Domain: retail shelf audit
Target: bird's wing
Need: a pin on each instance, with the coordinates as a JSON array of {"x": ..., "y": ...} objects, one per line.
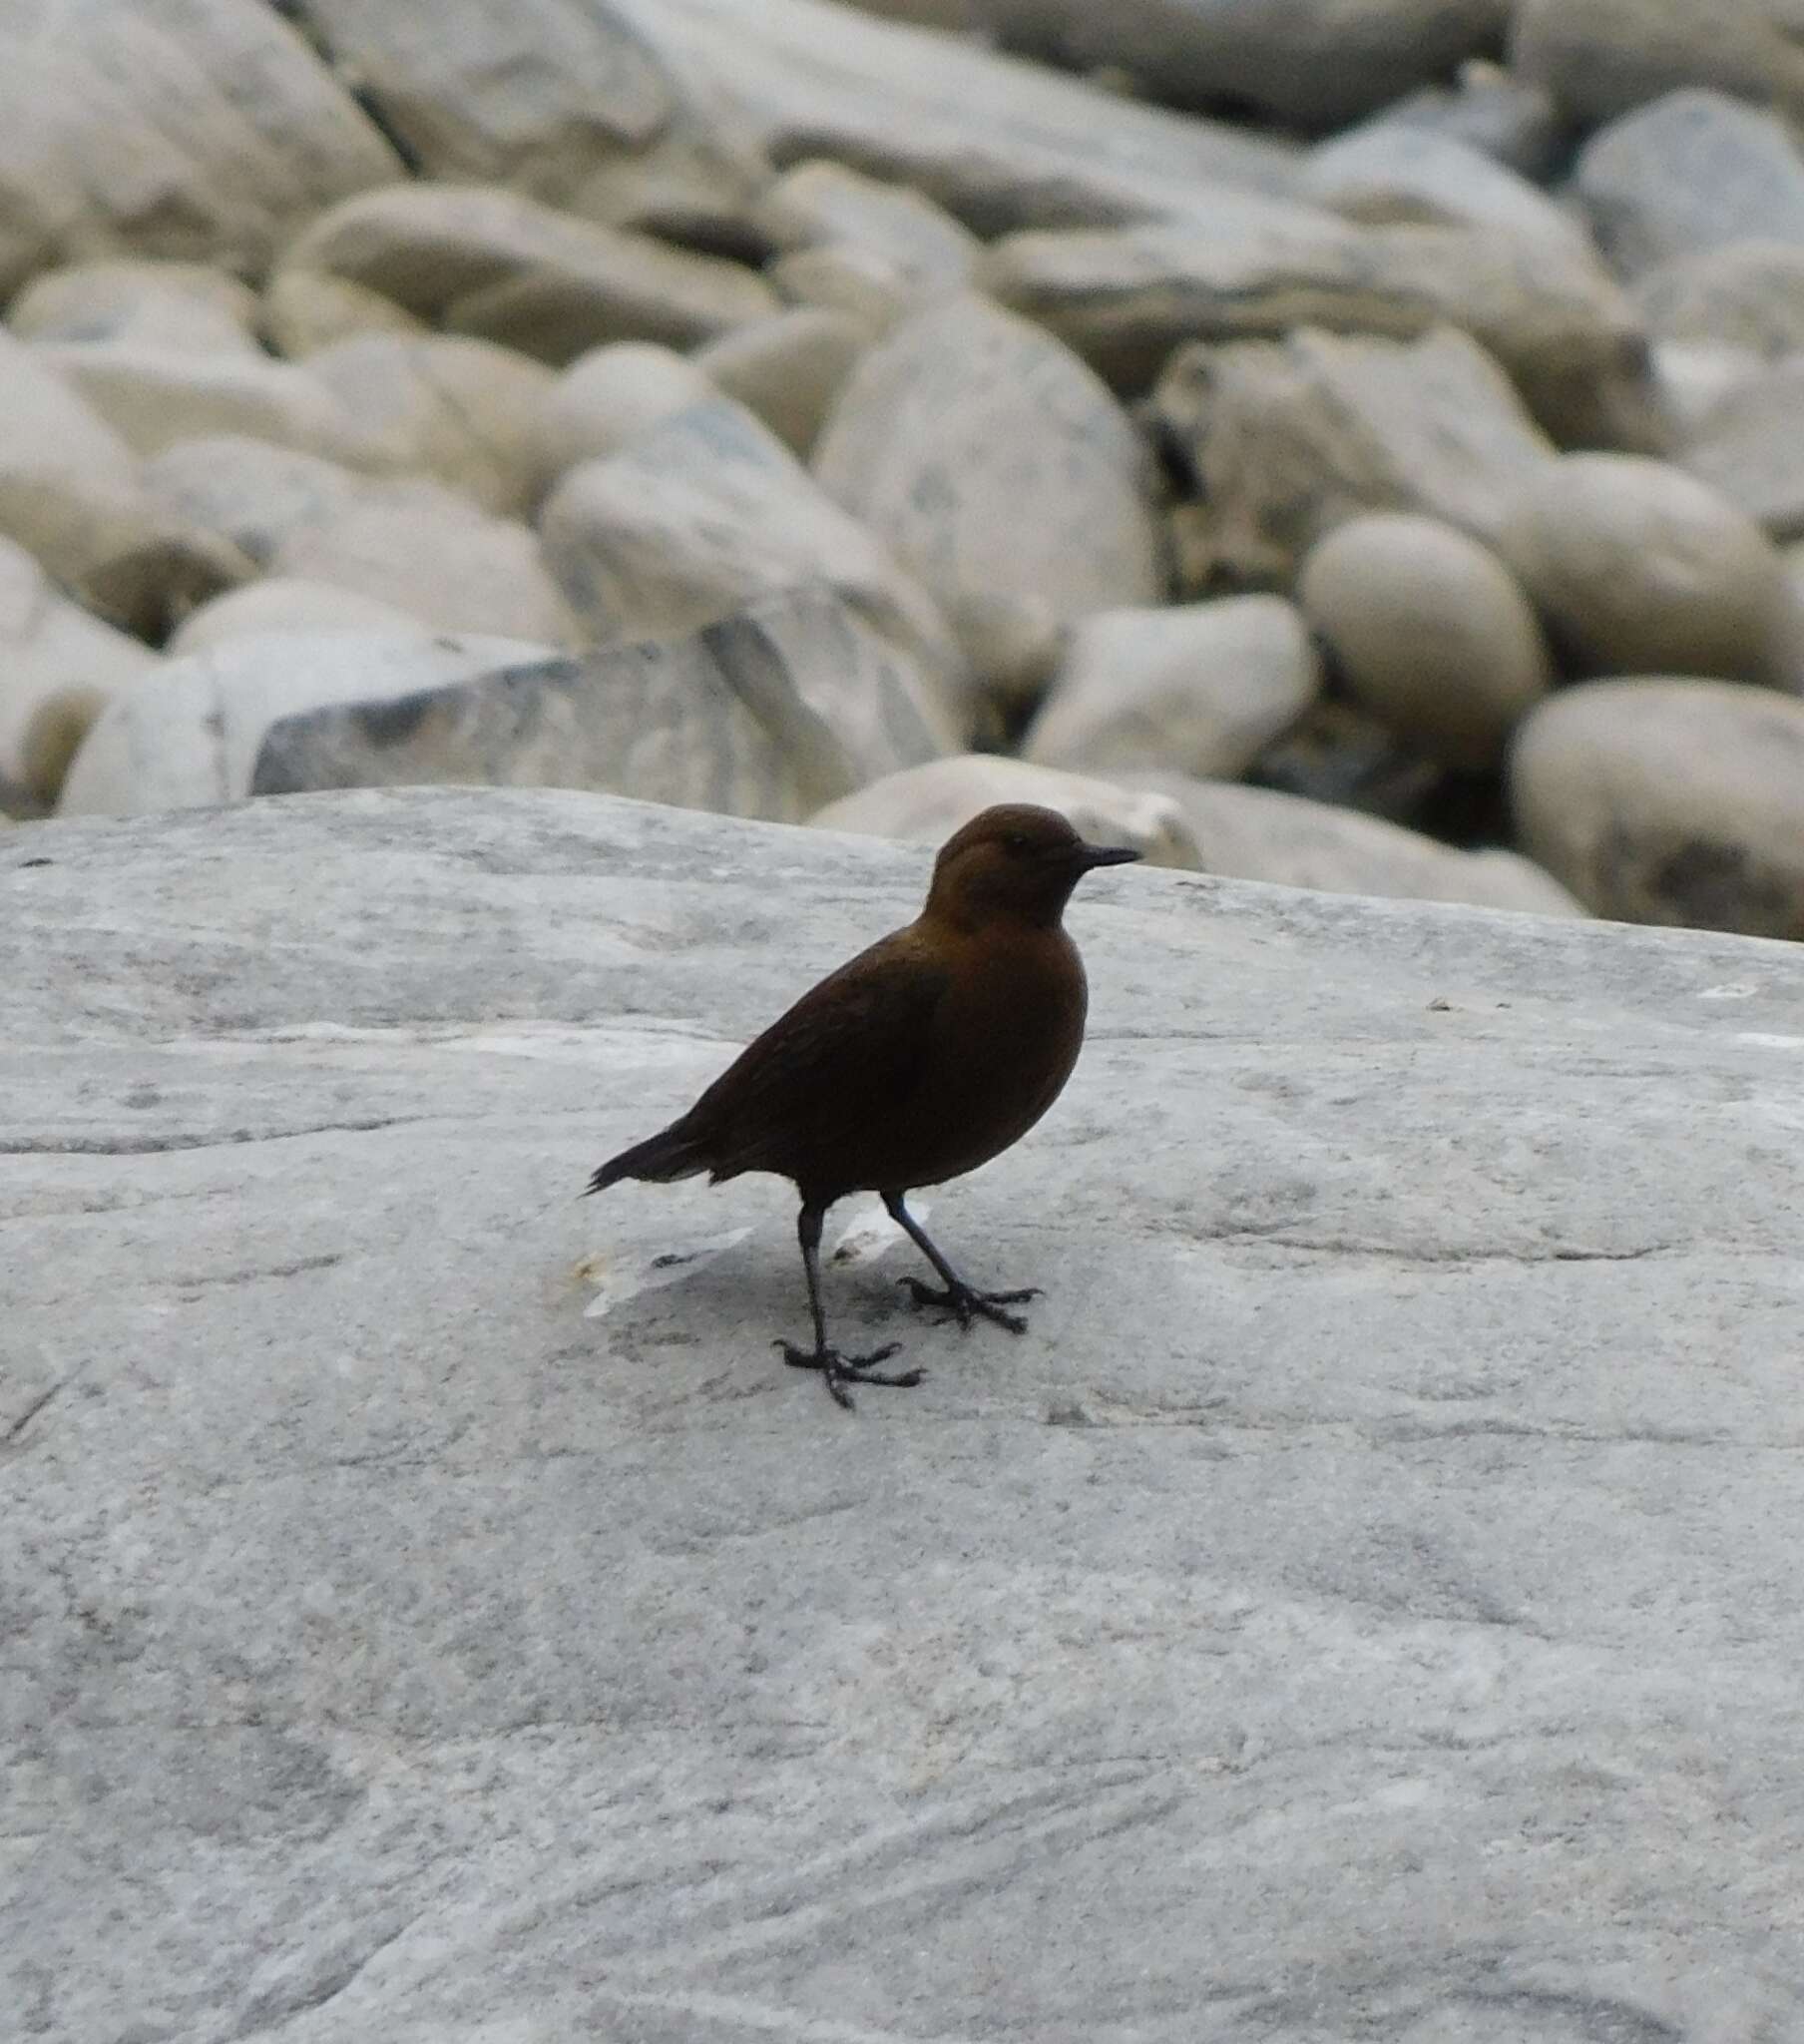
[{"x": 850, "y": 1051}]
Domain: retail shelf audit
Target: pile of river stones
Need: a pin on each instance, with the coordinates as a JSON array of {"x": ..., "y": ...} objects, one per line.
[{"x": 1351, "y": 443}]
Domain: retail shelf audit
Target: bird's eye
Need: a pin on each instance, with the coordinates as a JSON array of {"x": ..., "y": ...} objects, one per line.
[{"x": 1018, "y": 840}]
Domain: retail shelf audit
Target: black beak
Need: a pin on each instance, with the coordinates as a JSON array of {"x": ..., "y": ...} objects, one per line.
[{"x": 1093, "y": 855}]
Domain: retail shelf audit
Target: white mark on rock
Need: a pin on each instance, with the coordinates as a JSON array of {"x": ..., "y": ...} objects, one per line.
[
  {"x": 618, "y": 1276},
  {"x": 1730, "y": 990},
  {"x": 871, "y": 1233}
]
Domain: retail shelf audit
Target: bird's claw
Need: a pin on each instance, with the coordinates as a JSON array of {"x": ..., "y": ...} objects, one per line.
[
  {"x": 963, "y": 1303},
  {"x": 840, "y": 1370}
]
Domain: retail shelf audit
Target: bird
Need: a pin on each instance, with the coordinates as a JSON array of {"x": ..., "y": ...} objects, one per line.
[{"x": 915, "y": 1062}]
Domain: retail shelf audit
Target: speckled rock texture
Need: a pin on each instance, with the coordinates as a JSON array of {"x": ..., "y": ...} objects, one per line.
[{"x": 1364, "y": 1604}]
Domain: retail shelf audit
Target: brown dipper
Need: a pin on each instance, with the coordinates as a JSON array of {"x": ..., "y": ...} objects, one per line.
[{"x": 918, "y": 1060}]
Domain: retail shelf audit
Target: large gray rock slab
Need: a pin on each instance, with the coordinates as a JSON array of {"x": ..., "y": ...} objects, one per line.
[
  {"x": 1363, "y": 1604},
  {"x": 194, "y": 736},
  {"x": 772, "y": 712}
]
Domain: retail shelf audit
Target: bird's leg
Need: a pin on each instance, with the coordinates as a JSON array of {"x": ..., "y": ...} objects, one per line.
[
  {"x": 839, "y": 1370},
  {"x": 964, "y": 1301}
]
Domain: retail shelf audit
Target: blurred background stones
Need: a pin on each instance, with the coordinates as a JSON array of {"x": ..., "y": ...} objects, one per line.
[{"x": 1355, "y": 446}]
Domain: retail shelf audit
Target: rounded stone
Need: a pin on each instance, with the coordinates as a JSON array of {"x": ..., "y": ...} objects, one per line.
[
  {"x": 286, "y": 603},
  {"x": 789, "y": 369},
  {"x": 1638, "y": 568},
  {"x": 1197, "y": 688},
  {"x": 1668, "y": 800},
  {"x": 610, "y": 396},
  {"x": 1430, "y": 632},
  {"x": 925, "y": 805}
]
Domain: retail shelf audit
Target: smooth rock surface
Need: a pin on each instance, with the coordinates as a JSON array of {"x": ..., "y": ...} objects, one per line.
[
  {"x": 709, "y": 511},
  {"x": 1364, "y": 1604},
  {"x": 1197, "y": 687},
  {"x": 439, "y": 406},
  {"x": 1669, "y": 800},
  {"x": 198, "y": 130},
  {"x": 485, "y": 262},
  {"x": 286, "y": 603},
  {"x": 789, "y": 369},
  {"x": 996, "y": 465},
  {"x": 824, "y": 204},
  {"x": 188, "y": 305},
  {"x": 1749, "y": 444},
  {"x": 1746, "y": 294},
  {"x": 1308, "y": 63},
  {"x": 1285, "y": 440},
  {"x": 608, "y": 398},
  {"x": 564, "y": 100},
  {"x": 1263, "y": 833},
  {"x": 304, "y": 311},
  {"x": 1601, "y": 58},
  {"x": 1390, "y": 175},
  {"x": 155, "y": 396},
  {"x": 1487, "y": 108},
  {"x": 773, "y": 712},
  {"x": 926, "y": 805},
  {"x": 1125, "y": 298},
  {"x": 1430, "y": 632},
  {"x": 999, "y": 144},
  {"x": 442, "y": 561},
  {"x": 59, "y": 669},
  {"x": 71, "y": 495},
  {"x": 194, "y": 739},
  {"x": 250, "y": 494},
  {"x": 1637, "y": 568},
  {"x": 1691, "y": 174}
]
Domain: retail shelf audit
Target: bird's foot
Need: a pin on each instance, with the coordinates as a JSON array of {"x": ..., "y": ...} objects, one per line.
[
  {"x": 840, "y": 1370},
  {"x": 963, "y": 1303}
]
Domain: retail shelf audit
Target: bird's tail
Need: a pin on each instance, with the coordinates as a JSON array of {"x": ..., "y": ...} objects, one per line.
[{"x": 676, "y": 1152}]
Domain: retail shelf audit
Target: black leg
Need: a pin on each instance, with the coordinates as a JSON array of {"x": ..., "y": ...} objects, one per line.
[
  {"x": 963, "y": 1302},
  {"x": 839, "y": 1370}
]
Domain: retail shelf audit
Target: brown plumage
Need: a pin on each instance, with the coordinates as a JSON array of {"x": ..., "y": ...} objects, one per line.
[
  {"x": 917, "y": 1061},
  {"x": 912, "y": 1063}
]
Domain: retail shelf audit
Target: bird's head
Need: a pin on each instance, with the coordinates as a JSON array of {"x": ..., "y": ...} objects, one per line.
[{"x": 1014, "y": 861}]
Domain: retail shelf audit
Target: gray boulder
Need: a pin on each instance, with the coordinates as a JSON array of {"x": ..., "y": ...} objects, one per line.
[
  {"x": 1287, "y": 840},
  {"x": 1688, "y": 176},
  {"x": 1660, "y": 800},
  {"x": 1547, "y": 310},
  {"x": 671, "y": 113},
  {"x": 1305, "y": 63},
  {"x": 772, "y": 712},
  {"x": 1363, "y": 1604},
  {"x": 1602, "y": 58},
  {"x": 197, "y": 130},
  {"x": 997, "y": 467},
  {"x": 1285, "y": 440}
]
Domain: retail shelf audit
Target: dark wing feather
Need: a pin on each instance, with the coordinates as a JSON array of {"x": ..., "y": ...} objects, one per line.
[{"x": 850, "y": 1053}]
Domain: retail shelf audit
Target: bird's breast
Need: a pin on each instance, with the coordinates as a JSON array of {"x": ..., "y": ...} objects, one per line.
[{"x": 1005, "y": 1039}]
